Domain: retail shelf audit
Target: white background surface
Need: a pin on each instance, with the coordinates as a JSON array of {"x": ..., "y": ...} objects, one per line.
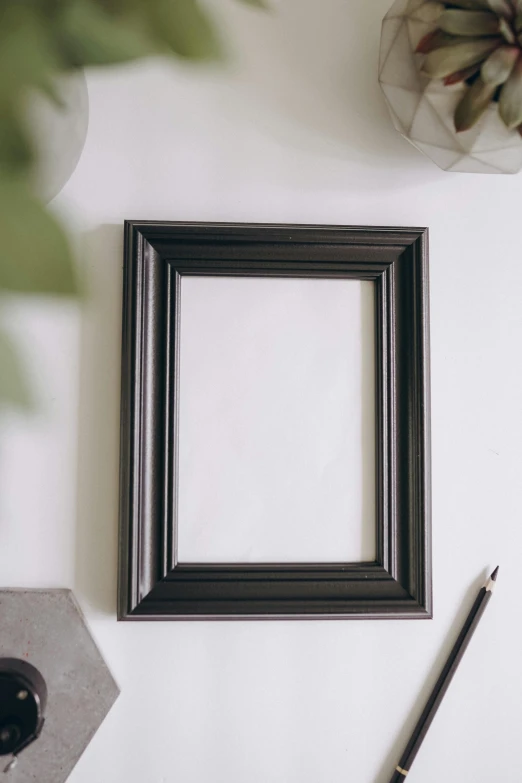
[
  {"x": 277, "y": 425},
  {"x": 294, "y": 130}
]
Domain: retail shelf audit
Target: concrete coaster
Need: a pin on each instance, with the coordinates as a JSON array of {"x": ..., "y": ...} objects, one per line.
[{"x": 47, "y": 628}]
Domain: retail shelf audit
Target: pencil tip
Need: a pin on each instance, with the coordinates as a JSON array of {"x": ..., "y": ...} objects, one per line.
[{"x": 494, "y": 574}]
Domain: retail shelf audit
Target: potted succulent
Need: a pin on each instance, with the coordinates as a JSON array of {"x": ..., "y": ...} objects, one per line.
[{"x": 451, "y": 74}]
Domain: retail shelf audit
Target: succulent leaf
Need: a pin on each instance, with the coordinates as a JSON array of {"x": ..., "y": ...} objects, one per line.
[
  {"x": 502, "y": 8},
  {"x": 449, "y": 59},
  {"x": 469, "y": 23},
  {"x": 428, "y": 12},
  {"x": 506, "y": 30},
  {"x": 497, "y": 68},
  {"x": 472, "y": 5},
  {"x": 474, "y": 103},
  {"x": 434, "y": 40},
  {"x": 462, "y": 76},
  {"x": 510, "y": 102}
]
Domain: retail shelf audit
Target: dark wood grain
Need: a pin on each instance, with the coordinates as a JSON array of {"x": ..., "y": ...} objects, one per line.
[{"x": 152, "y": 584}]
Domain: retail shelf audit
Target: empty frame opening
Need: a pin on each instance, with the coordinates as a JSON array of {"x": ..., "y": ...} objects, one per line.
[{"x": 276, "y": 420}]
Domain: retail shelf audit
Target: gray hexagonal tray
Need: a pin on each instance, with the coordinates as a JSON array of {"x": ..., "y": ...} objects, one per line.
[{"x": 47, "y": 628}]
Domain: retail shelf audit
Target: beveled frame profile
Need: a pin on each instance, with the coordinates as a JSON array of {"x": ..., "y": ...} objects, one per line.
[{"x": 152, "y": 583}]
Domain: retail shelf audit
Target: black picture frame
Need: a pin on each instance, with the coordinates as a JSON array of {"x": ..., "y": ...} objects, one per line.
[{"x": 152, "y": 584}]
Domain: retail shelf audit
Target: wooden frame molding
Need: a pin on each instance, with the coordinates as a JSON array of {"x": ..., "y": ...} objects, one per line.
[{"x": 152, "y": 584}]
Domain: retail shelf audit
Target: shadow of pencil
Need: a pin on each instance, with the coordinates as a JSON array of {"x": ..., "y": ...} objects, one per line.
[{"x": 392, "y": 758}]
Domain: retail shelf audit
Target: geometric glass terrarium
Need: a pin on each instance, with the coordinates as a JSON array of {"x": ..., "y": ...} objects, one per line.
[{"x": 422, "y": 109}]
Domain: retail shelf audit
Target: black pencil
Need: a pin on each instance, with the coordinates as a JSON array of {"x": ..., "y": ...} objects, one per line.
[{"x": 442, "y": 684}]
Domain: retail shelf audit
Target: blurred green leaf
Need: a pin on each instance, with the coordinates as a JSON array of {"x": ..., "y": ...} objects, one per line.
[
  {"x": 13, "y": 386},
  {"x": 16, "y": 151},
  {"x": 27, "y": 56},
  {"x": 257, "y": 3},
  {"x": 40, "y": 40},
  {"x": 34, "y": 252},
  {"x": 184, "y": 28},
  {"x": 107, "y": 32},
  {"x": 89, "y": 35}
]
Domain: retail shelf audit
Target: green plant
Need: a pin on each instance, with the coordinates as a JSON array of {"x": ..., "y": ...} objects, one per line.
[
  {"x": 479, "y": 42},
  {"x": 39, "y": 41}
]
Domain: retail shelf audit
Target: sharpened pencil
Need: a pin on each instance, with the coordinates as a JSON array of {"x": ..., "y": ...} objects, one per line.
[{"x": 442, "y": 684}]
